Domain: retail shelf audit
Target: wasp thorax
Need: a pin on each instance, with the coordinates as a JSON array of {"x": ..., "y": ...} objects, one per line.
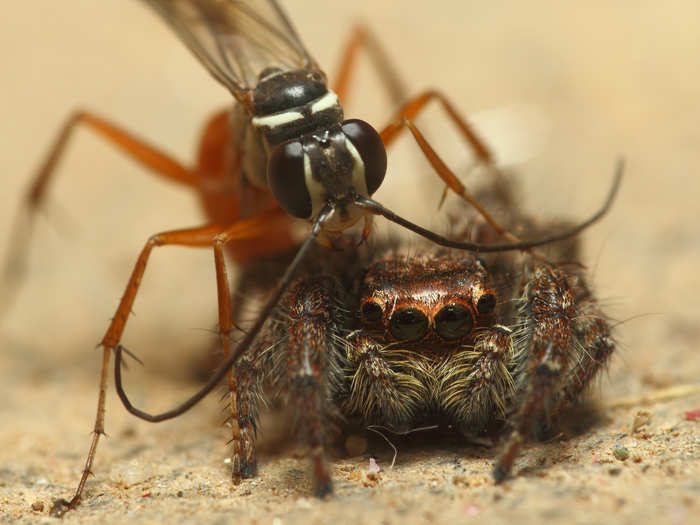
[
  {"x": 278, "y": 91},
  {"x": 288, "y": 105}
]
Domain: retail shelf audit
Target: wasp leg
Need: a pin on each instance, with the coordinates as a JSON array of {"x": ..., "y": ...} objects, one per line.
[
  {"x": 215, "y": 237},
  {"x": 362, "y": 38},
  {"x": 136, "y": 148},
  {"x": 145, "y": 154},
  {"x": 404, "y": 119}
]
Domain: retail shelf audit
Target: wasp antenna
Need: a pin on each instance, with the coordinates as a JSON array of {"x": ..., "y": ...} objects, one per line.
[
  {"x": 284, "y": 283},
  {"x": 377, "y": 209}
]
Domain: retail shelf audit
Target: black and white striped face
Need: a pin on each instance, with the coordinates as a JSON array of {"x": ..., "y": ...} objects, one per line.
[
  {"x": 314, "y": 156},
  {"x": 335, "y": 164}
]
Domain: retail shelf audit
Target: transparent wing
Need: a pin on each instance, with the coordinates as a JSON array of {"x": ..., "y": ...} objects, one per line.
[{"x": 236, "y": 39}]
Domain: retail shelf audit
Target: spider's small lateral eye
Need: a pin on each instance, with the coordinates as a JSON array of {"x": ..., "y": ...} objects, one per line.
[
  {"x": 408, "y": 324},
  {"x": 371, "y": 312},
  {"x": 486, "y": 304},
  {"x": 287, "y": 180},
  {"x": 454, "y": 321},
  {"x": 371, "y": 149}
]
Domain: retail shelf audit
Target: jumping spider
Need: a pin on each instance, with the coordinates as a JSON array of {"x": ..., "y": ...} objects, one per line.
[{"x": 440, "y": 337}]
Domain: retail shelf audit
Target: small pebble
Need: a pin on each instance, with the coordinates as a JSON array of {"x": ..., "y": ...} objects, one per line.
[
  {"x": 38, "y": 506},
  {"x": 621, "y": 453}
]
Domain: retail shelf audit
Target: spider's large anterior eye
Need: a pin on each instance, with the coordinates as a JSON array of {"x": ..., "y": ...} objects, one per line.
[
  {"x": 287, "y": 180},
  {"x": 371, "y": 312},
  {"x": 408, "y": 324},
  {"x": 486, "y": 304},
  {"x": 454, "y": 321},
  {"x": 371, "y": 149}
]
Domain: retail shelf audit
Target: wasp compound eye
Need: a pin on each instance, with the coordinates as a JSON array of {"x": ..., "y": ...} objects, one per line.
[
  {"x": 287, "y": 180},
  {"x": 454, "y": 321},
  {"x": 486, "y": 304},
  {"x": 371, "y": 149},
  {"x": 371, "y": 312},
  {"x": 408, "y": 324}
]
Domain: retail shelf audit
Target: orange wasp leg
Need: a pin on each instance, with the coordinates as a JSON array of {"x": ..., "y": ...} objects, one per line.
[
  {"x": 143, "y": 153},
  {"x": 158, "y": 162},
  {"x": 361, "y": 37},
  {"x": 404, "y": 120},
  {"x": 146, "y": 155},
  {"x": 215, "y": 237}
]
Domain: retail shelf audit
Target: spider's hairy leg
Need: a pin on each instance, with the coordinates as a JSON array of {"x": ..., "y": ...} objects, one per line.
[
  {"x": 249, "y": 373},
  {"x": 244, "y": 410},
  {"x": 550, "y": 351},
  {"x": 313, "y": 367},
  {"x": 254, "y": 367},
  {"x": 593, "y": 342}
]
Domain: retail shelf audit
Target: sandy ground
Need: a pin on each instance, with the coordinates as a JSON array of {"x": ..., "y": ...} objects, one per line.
[{"x": 560, "y": 92}]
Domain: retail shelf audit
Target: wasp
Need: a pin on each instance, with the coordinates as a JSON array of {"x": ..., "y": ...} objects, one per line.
[{"x": 283, "y": 153}]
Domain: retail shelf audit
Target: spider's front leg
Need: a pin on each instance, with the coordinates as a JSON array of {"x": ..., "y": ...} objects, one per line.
[
  {"x": 564, "y": 342},
  {"x": 248, "y": 375},
  {"x": 298, "y": 354},
  {"x": 594, "y": 341},
  {"x": 314, "y": 370}
]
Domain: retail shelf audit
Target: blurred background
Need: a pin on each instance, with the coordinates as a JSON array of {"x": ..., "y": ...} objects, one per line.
[{"x": 559, "y": 90}]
